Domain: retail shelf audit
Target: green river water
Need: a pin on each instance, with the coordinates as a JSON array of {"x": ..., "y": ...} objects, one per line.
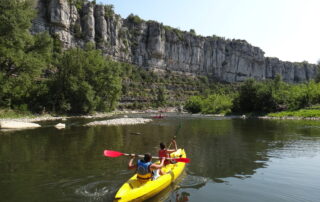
[{"x": 231, "y": 160}]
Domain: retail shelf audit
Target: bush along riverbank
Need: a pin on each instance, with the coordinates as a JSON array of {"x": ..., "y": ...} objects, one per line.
[
  {"x": 312, "y": 113},
  {"x": 273, "y": 98}
]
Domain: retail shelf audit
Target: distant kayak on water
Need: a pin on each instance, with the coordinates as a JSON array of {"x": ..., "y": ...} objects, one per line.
[
  {"x": 134, "y": 189},
  {"x": 158, "y": 116}
]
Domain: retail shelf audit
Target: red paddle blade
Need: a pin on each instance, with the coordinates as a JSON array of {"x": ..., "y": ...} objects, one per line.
[
  {"x": 183, "y": 160},
  {"x": 110, "y": 153}
]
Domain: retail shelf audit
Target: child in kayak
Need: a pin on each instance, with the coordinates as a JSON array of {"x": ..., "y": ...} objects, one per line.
[
  {"x": 165, "y": 153},
  {"x": 146, "y": 170}
]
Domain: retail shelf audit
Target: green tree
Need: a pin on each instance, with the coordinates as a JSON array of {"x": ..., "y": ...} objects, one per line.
[
  {"x": 85, "y": 82},
  {"x": 161, "y": 96},
  {"x": 23, "y": 57},
  {"x": 194, "y": 104},
  {"x": 216, "y": 104}
]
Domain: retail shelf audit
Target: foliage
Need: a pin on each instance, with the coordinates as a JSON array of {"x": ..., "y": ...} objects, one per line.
[
  {"x": 135, "y": 19},
  {"x": 305, "y": 113},
  {"x": 85, "y": 82},
  {"x": 161, "y": 96},
  {"x": 194, "y": 104},
  {"x": 212, "y": 104},
  {"x": 8, "y": 113},
  {"x": 78, "y": 3},
  {"x": 23, "y": 57},
  {"x": 275, "y": 95},
  {"x": 192, "y": 31},
  {"x": 254, "y": 97},
  {"x": 217, "y": 104},
  {"x": 108, "y": 10}
]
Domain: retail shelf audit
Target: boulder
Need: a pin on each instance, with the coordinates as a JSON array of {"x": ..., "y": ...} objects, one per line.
[{"x": 60, "y": 126}]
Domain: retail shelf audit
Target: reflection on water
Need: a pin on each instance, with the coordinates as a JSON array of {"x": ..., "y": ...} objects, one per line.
[{"x": 229, "y": 158}]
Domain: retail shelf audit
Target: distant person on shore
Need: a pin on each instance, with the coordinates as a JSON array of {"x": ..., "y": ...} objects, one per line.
[{"x": 146, "y": 170}]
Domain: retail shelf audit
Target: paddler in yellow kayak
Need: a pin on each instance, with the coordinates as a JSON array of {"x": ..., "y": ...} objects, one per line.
[
  {"x": 146, "y": 170},
  {"x": 165, "y": 153}
]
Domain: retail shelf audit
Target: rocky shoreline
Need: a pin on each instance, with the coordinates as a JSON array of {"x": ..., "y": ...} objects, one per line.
[
  {"x": 120, "y": 121},
  {"x": 28, "y": 122}
]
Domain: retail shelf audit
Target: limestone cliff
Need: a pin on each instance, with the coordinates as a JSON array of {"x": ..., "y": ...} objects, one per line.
[{"x": 150, "y": 44}]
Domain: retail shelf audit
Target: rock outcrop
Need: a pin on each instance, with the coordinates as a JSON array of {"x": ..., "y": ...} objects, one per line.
[{"x": 150, "y": 44}]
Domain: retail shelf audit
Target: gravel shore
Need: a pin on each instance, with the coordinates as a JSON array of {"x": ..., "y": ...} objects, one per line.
[
  {"x": 120, "y": 121},
  {"x": 53, "y": 118}
]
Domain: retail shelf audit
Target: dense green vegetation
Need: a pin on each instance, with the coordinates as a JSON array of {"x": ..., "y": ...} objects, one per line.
[
  {"x": 36, "y": 75},
  {"x": 260, "y": 98},
  {"x": 305, "y": 113}
]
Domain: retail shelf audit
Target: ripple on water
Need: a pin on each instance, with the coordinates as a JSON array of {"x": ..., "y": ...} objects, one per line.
[
  {"x": 97, "y": 191},
  {"x": 193, "y": 181}
]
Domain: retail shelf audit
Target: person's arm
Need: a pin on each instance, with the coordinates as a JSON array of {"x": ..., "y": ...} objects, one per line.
[
  {"x": 169, "y": 151},
  {"x": 130, "y": 164},
  {"x": 157, "y": 166}
]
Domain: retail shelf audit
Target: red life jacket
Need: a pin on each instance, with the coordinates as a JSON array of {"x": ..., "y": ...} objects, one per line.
[{"x": 163, "y": 153}]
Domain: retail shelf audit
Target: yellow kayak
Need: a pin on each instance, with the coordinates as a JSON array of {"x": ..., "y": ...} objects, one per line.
[{"x": 135, "y": 190}]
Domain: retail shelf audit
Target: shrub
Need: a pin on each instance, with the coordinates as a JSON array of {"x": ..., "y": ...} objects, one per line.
[{"x": 194, "y": 104}]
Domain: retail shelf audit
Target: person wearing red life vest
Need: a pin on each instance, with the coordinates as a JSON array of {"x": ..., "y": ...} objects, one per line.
[{"x": 165, "y": 153}]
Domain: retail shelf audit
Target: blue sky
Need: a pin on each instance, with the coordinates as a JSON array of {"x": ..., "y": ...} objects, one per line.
[{"x": 287, "y": 29}]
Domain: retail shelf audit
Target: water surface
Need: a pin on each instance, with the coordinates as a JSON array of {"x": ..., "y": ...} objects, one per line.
[{"x": 231, "y": 160}]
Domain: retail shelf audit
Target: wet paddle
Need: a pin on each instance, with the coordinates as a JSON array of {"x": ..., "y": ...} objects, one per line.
[{"x": 111, "y": 153}]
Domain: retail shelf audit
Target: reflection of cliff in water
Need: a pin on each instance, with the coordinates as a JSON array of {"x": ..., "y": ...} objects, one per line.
[{"x": 232, "y": 148}]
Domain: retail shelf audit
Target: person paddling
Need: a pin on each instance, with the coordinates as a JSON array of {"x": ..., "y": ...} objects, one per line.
[
  {"x": 165, "y": 153},
  {"x": 146, "y": 170}
]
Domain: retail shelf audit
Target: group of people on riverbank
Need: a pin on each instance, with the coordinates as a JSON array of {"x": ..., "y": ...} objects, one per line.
[{"x": 147, "y": 170}]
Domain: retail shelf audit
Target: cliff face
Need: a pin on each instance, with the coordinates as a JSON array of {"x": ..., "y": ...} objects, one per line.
[{"x": 153, "y": 45}]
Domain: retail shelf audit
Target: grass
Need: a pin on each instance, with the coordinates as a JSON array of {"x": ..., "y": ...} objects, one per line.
[
  {"x": 305, "y": 113},
  {"x": 9, "y": 113}
]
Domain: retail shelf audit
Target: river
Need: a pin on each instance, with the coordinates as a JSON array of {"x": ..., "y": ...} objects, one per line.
[{"x": 231, "y": 160}]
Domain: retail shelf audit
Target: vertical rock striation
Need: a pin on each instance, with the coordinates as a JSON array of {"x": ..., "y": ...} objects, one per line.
[{"x": 153, "y": 45}]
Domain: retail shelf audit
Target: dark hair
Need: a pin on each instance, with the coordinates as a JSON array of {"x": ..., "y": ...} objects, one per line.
[
  {"x": 147, "y": 157},
  {"x": 162, "y": 145}
]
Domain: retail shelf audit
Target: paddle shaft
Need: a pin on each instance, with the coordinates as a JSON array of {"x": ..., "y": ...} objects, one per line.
[
  {"x": 142, "y": 156},
  {"x": 174, "y": 138}
]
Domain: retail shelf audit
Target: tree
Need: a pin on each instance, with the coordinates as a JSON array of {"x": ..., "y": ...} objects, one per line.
[
  {"x": 85, "y": 82},
  {"x": 23, "y": 57},
  {"x": 194, "y": 104},
  {"x": 192, "y": 31},
  {"x": 161, "y": 96}
]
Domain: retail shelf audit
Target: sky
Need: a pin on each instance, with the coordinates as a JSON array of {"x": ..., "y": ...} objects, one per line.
[{"x": 286, "y": 29}]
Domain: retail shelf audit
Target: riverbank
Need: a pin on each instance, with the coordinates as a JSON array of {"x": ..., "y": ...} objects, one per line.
[
  {"x": 301, "y": 114},
  {"x": 10, "y": 115}
]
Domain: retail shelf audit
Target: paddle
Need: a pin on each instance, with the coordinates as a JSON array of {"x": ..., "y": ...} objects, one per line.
[{"x": 111, "y": 153}]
